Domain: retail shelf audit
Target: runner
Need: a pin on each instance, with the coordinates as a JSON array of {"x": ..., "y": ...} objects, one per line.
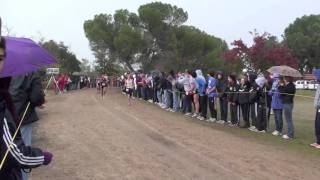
[
  {"x": 129, "y": 87},
  {"x": 103, "y": 86}
]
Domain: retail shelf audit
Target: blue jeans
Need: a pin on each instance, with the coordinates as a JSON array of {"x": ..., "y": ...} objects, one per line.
[
  {"x": 287, "y": 109},
  {"x": 176, "y": 101},
  {"x": 159, "y": 96},
  {"x": 278, "y": 119},
  {"x": 169, "y": 99},
  {"x": 26, "y": 133},
  {"x": 165, "y": 97}
]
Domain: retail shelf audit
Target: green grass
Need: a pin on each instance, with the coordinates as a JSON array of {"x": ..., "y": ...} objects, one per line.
[{"x": 303, "y": 117}]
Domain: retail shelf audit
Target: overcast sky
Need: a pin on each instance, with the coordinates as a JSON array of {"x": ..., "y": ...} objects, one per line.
[{"x": 62, "y": 20}]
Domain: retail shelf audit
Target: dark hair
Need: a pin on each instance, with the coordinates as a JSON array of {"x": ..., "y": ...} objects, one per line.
[
  {"x": 193, "y": 74},
  {"x": 4, "y": 93},
  {"x": 233, "y": 77},
  {"x": 211, "y": 73},
  {"x": 171, "y": 73}
]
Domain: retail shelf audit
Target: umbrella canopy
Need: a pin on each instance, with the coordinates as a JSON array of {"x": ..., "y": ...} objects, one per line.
[
  {"x": 285, "y": 71},
  {"x": 24, "y": 56}
]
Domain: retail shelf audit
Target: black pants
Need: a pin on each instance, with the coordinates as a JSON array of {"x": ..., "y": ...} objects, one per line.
[
  {"x": 253, "y": 113},
  {"x": 204, "y": 105},
  {"x": 317, "y": 126},
  {"x": 223, "y": 108},
  {"x": 187, "y": 100},
  {"x": 262, "y": 117},
  {"x": 139, "y": 92},
  {"x": 245, "y": 109},
  {"x": 234, "y": 113},
  {"x": 212, "y": 107},
  {"x": 155, "y": 97}
]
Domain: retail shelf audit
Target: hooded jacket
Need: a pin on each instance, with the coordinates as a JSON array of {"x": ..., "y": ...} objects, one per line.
[
  {"x": 25, "y": 89},
  {"x": 222, "y": 86},
  {"x": 20, "y": 156}
]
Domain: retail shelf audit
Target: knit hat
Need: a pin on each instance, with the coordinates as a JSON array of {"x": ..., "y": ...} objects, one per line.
[
  {"x": 316, "y": 73},
  {"x": 261, "y": 81}
]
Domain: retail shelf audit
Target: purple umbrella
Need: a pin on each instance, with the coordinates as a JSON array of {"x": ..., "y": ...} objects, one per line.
[{"x": 24, "y": 56}]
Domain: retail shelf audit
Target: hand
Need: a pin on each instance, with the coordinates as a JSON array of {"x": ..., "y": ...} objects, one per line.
[{"x": 47, "y": 158}]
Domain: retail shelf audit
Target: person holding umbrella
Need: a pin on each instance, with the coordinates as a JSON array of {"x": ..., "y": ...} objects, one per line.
[
  {"x": 317, "y": 106},
  {"x": 14, "y": 154},
  {"x": 287, "y": 90}
]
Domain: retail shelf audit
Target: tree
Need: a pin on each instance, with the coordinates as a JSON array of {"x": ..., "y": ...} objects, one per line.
[
  {"x": 67, "y": 61},
  {"x": 265, "y": 52},
  {"x": 115, "y": 39},
  {"x": 302, "y": 37},
  {"x": 85, "y": 66}
]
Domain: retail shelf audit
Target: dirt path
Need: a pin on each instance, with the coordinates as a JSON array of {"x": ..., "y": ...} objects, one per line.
[{"x": 99, "y": 140}]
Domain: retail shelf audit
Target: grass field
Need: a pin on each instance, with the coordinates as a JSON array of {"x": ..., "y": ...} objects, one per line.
[{"x": 303, "y": 117}]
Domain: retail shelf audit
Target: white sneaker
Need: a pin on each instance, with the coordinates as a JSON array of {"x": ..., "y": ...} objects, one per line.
[
  {"x": 276, "y": 133},
  {"x": 263, "y": 131},
  {"x": 220, "y": 122},
  {"x": 150, "y": 101},
  {"x": 212, "y": 120},
  {"x": 252, "y": 127},
  {"x": 194, "y": 115},
  {"x": 200, "y": 118},
  {"x": 168, "y": 109},
  {"x": 187, "y": 114},
  {"x": 229, "y": 122},
  {"x": 286, "y": 137}
]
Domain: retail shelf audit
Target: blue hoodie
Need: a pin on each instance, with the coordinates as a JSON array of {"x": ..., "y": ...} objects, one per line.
[{"x": 276, "y": 102}]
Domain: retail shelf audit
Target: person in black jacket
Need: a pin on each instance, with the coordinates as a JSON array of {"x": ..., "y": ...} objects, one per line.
[
  {"x": 243, "y": 99},
  {"x": 288, "y": 90},
  {"x": 233, "y": 88},
  {"x": 25, "y": 89},
  {"x": 222, "y": 88},
  {"x": 20, "y": 156},
  {"x": 261, "y": 95},
  {"x": 253, "y": 105}
]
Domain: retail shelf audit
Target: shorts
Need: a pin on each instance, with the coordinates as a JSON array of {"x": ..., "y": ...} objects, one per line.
[{"x": 129, "y": 91}]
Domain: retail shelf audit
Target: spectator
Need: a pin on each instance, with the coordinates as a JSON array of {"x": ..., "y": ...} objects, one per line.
[
  {"x": 212, "y": 93},
  {"x": 233, "y": 88},
  {"x": 222, "y": 86},
  {"x": 185, "y": 79},
  {"x": 276, "y": 105},
  {"x": 177, "y": 89},
  {"x": 129, "y": 87},
  {"x": 288, "y": 90},
  {"x": 252, "y": 101},
  {"x": 201, "y": 81},
  {"x": 15, "y": 162},
  {"x": 25, "y": 89},
  {"x": 195, "y": 94},
  {"x": 317, "y": 106},
  {"x": 261, "y": 124},
  {"x": 243, "y": 99}
]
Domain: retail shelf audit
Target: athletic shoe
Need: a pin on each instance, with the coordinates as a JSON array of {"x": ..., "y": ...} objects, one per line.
[
  {"x": 263, "y": 131},
  {"x": 150, "y": 101},
  {"x": 168, "y": 109},
  {"x": 201, "y": 118},
  {"x": 318, "y": 147},
  {"x": 276, "y": 133},
  {"x": 286, "y": 137},
  {"x": 187, "y": 114},
  {"x": 212, "y": 120},
  {"x": 229, "y": 122},
  {"x": 194, "y": 115},
  {"x": 252, "y": 128},
  {"x": 220, "y": 122},
  {"x": 314, "y": 144}
]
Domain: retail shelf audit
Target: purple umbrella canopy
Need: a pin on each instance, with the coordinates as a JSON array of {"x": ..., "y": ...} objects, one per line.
[{"x": 23, "y": 56}]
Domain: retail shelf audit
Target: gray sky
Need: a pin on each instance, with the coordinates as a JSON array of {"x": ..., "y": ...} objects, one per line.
[{"x": 62, "y": 20}]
